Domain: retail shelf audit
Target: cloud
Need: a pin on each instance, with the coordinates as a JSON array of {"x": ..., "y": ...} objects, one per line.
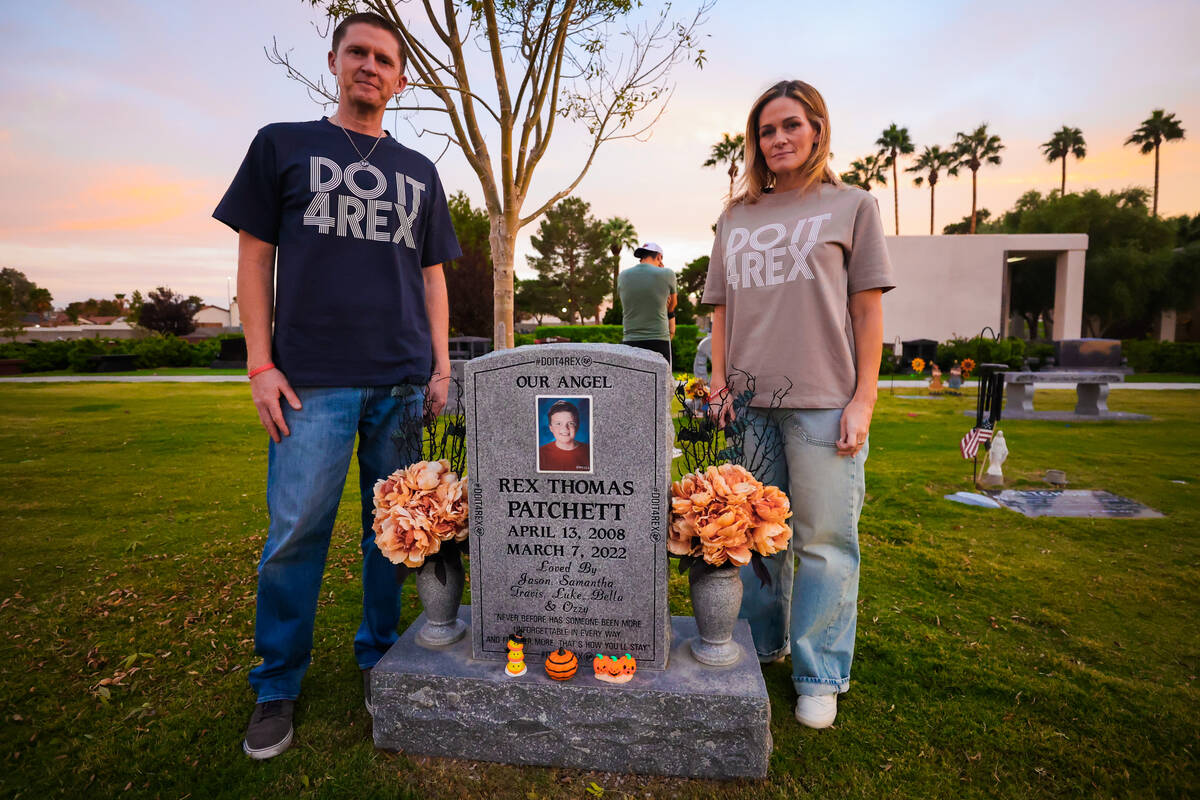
[
  {"x": 128, "y": 199},
  {"x": 49, "y": 197}
]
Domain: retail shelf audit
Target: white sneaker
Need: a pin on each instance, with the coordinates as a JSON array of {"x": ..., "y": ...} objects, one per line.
[{"x": 816, "y": 711}]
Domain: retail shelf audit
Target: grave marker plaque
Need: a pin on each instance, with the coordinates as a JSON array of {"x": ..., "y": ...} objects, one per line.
[{"x": 569, "y": 479}]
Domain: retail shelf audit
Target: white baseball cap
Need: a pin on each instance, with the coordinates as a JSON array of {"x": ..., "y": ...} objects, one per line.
[{"x": 646, "y": 248}]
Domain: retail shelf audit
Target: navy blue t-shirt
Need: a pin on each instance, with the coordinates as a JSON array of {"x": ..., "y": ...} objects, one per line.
[{"x": 351, "y": 243}]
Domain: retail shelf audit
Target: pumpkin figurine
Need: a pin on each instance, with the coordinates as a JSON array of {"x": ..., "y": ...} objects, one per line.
[
  {"x": 516, "y": 656},
  {"x": 561, "y": 664},
  {"x": 628, "y": 665},
  {"x": 599, "y": 666},
  {"x": 614, "y": 670}
]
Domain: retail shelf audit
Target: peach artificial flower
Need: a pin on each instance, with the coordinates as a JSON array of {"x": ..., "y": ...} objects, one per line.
[
  {"x": 416, "y": 509},
  {"x": 726, "y": 515}
]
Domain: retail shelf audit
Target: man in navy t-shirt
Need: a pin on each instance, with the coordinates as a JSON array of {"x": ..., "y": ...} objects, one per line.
[{"x": 342, "y": 233}]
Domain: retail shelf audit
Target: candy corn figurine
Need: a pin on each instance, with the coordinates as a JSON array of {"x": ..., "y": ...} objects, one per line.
[{"x": 516, "y": 656}]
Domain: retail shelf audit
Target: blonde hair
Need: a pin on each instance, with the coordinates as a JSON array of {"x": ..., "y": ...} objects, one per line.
[{"x": 756, "y": 177}]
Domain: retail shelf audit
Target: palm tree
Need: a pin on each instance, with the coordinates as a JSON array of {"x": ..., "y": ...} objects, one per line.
[
  {"x": 730, "y": 150},
  {"x": 973, "y": 150},
  {"x": 620, "y": 234},
  {"x": 1066, "y": 141},
  {"x": 893, "y": 143},
  {"x": 866, "y": 171},
  {"x": 1159, "y": 127},
  {"x": 931, "y": 162}
]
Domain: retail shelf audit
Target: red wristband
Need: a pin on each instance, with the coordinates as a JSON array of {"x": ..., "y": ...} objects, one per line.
[{"x": 260, "y": 370}]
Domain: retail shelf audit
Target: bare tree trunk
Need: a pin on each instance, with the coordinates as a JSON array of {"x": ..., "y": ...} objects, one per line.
[
  {"x": 896, "y": 193},
  {"x": 931, "y": 209},
  {"x": 1155, "y": 211},
  {"x": 733, "y": 171},
  {"x": 502, "y": 240},
  {"x": 1063, "y": 189},
  {"x": 973, "y": 176}
]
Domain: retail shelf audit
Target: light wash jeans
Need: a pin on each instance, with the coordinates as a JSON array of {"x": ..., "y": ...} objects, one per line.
[
  {"x": 818, "y": 617},
  {"x": 306, "y": 473}
]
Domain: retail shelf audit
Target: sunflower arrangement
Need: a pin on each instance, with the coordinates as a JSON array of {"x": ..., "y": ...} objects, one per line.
[
  {"x": 417, "y": 510},
  {"x": 726, "y": 517},
  {"x": 918, "y": 365},
  {"x": 695, "y": 389},
  {"x": 968, "y": 366}
]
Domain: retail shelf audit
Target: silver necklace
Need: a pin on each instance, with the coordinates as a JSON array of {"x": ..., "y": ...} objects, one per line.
[{"x": 362, "y": 158}]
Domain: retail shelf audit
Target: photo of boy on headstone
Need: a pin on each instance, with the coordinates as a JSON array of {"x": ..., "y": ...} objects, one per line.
[{"x": 564, "y": 426}]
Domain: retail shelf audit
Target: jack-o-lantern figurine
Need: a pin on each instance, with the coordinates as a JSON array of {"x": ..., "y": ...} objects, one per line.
[
  {"x": 561, "y": 664},
  {"x": 614, "y": 670},
  {"x": 516, "y": 656}
]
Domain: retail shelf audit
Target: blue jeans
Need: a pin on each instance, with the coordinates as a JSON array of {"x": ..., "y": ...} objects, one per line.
[
  {"x": 306, "y": 473},
  {"x": 795, "y": 450}
]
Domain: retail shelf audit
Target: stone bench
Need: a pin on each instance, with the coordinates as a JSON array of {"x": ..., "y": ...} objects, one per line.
[{"x": 1091, "y": 390}]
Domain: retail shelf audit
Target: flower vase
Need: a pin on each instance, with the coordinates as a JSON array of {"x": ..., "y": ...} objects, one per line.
[
  {"x": 439, "y": 585},
  {"x": 716, "y": 598}
]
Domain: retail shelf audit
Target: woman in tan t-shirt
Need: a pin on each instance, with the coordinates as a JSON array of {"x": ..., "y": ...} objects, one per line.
[{"x": 796, "y": 277}]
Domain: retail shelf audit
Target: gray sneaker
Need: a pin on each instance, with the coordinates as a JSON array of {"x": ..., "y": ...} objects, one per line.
[
  {"x": 367, "y": 700},
  {"x": 270, "y": 729}
]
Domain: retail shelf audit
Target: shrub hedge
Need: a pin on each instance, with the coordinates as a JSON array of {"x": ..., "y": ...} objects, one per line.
[
  {"x": 1146, "y": 355},
  {"x": 683, "y": 346},
  {"x": 169, "y": 351},
  {"x": 157, "y": 350}
]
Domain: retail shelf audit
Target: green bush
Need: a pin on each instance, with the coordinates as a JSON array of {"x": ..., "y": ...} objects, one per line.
[
  {"x": 982, "y": 350},
  {"x": 581, "y": 333},
  {"x": 1039, "y": 354},
  {"x": 46, "y": 356},
  {"x": 39, "y": 356},
  {"x": 1146, "y": 355},
  {"x": 205, "y": 352},
  {"x": 151, "y": 352},
  {"x": 614, "y": 315},
  {"x": 81, "y": 351},
  {"x": 520, "y": 339},
  {"x": 163, "y": 351},
  {"x": 683, "y": 347}
]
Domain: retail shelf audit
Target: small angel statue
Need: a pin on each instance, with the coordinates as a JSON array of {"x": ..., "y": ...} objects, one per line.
[{"x": 997, "y": 454}]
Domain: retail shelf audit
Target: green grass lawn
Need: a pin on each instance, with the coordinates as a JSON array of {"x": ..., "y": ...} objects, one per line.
[
  {"x": 144, "y": 372},
  {"x": 997, "y": 655}
]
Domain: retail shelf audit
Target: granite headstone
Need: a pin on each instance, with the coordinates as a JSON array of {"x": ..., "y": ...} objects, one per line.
[
  {"x": 569, "y": 526},
  {"x": 568, "y": 452}
]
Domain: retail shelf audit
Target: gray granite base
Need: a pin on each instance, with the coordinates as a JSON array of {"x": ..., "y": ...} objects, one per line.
[
  {"x": 1067, "y": 416},
  {"x": 1071, "y": 416},
  {"x": 688, "y": 720}
]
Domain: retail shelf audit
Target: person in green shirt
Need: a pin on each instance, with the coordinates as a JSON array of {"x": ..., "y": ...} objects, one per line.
[{"x": 648, "y": 301}]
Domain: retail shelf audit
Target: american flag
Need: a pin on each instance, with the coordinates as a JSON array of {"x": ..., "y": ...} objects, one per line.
[{"x": 970, "y": 443}]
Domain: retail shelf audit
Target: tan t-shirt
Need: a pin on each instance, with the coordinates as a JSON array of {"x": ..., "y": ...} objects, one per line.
[{"x": 785, "y": 268}]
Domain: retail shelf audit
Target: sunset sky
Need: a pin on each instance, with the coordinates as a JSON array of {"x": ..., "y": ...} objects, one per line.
[{"x": 124, "y": 121}]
